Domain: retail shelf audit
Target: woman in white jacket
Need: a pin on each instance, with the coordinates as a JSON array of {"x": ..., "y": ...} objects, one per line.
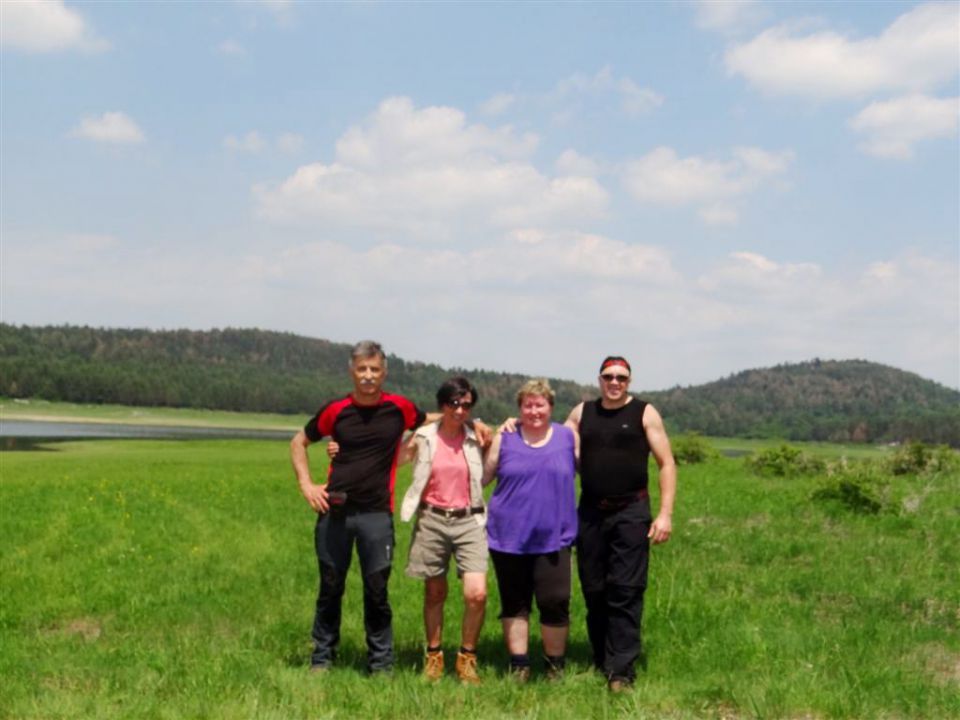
[{"x": 446, "y": 498}]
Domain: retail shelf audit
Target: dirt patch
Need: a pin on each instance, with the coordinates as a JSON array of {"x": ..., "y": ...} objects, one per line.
[
  {"x": 942, "y": 664},
  {"x": 755, "y": 521},
  {"x": 88, "y": 628}
]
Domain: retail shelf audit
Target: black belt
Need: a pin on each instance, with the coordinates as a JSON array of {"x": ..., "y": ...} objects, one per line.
[
  {"x": 451, "y": 512},
  {"x": 619, "y": 502}
]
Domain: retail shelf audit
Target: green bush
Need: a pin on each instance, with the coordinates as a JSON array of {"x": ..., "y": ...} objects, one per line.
[
  {"x": 860, "y": 487},
  {"x": 918, "y": 458},
  {"x": 692, "y": 448},
  {"x": 785, "y": 461}
]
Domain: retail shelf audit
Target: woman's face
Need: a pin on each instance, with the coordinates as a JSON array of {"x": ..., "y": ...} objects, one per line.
[{"x": 535, "y": 411}]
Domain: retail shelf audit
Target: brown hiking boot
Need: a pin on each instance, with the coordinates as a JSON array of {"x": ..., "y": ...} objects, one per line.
[
  {"x": 618, "y": 685},
  {"x": 520, "y": 674},
  {"x": 467, "y": 668},
  {"x": 433, "y": 666}
]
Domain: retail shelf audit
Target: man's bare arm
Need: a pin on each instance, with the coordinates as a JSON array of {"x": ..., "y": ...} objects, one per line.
[
  {"x": 659, "y": 443},
  {"x": 573, "y": 419},
  {"x": 314, "y": 494}
]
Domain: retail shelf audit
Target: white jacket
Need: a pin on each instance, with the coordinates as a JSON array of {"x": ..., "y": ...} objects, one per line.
[{"x": 426, "y": 439}]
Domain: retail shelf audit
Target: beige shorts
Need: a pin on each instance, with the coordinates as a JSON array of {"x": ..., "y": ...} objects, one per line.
[{"x": 436, "y": 538}]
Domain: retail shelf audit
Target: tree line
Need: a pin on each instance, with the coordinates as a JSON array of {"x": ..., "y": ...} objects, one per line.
[{"x": 265, "y": 371}]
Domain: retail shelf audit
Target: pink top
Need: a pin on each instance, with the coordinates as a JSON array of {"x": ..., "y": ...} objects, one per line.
[{"x": 449, "y": 483}]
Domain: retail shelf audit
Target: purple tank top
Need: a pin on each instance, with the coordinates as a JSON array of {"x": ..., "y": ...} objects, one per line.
[{"x": 533, "y": 508}]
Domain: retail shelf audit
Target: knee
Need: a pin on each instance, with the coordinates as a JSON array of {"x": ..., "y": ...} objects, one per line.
[
  {"x": 331, "y": 579},
  {"x": 624, "y": 598},
  {"x": 434, "y": 593},
  {"x": 375, "y": 583},
  {"x": 555, "y": 609},
  {"x": 475, "y": 597}
]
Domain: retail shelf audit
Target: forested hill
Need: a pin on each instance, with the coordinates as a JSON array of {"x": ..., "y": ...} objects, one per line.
[
  {"x": 256, "y": 370},
  {"x": 232, "y": 369},
  {"x": 849, "y": 400}
]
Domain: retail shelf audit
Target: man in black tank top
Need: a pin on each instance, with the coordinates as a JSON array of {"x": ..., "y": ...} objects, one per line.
[{"x": 617, "y": 435}]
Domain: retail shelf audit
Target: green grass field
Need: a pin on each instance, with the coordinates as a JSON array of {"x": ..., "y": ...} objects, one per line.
[
  {"x": 125, "y": 414},
  {"x": 175, "y": 579}
]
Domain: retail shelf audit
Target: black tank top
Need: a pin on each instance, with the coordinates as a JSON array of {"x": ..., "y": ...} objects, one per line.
[{"x": 613, "y": 450}]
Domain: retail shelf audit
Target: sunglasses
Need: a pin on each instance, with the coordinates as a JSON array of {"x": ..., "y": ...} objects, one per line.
[
  {"x": 619, "y": 378},
  {"x": 465, "y": 404}
]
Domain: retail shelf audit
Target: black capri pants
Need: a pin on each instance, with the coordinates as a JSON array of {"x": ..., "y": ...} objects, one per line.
[{"x": 544, "y": 576}]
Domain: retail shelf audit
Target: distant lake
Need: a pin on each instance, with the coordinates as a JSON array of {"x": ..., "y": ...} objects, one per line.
[{"x": 31, "y": 431}]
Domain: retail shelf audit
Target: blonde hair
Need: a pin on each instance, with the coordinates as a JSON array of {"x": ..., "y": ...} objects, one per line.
[{"x": 537, "y": 386}]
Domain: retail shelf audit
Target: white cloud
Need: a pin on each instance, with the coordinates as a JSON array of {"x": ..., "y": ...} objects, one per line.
[
  {"x": 893, "y": 127},
  {"x": 459, "y": 303},
  {"x": 751, "y": 271},
  {"x": 881, "y": 271},
  {"x": 634, "y": 100},
  {"x": 89, "y": 242},
  {"x": 571, "y": 162},
  {"x": 918, "y": 51},
  {"x": 40, "y": 26},
  {"x": 498, "y": 104},
  {"x": 250, "y": 142},
  {"x": 719, "y": 214},
  {"x": 427, "y": 171},
  {"x": 727, "y": 15},
  {"x": 663, "y": 178},
  {"x": 253, "y": 142},
  {"x": 111, "y": 127}
]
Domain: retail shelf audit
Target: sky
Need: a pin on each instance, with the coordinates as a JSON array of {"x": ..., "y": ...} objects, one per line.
[{"x": 702, "y": 187}]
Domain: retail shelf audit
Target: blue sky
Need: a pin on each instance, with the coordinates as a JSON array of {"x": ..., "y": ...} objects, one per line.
[{"x": 701, "y": 187}]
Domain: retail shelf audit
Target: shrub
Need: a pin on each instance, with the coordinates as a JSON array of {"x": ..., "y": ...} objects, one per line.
[
  {"x": 692, "y": 448},
  {"x": 918, "y": 458},
  {"x": 860, "y": 487},
  {"x": 785, "y": 461}
]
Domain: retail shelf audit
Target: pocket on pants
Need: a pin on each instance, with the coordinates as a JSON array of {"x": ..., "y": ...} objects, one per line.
[{"x": 375, "y": 542}]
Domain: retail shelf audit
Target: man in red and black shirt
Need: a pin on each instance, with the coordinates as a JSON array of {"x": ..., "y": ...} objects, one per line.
[{"x": 355, "y": 505}]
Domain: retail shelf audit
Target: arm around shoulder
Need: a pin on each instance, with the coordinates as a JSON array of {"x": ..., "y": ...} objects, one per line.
[
  {"x": 491, "y": 459},
  {"x": 573, "y": 419}
]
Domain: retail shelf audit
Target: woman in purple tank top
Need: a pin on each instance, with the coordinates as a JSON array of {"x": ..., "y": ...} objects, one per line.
[{"x": 531, "y": 524}]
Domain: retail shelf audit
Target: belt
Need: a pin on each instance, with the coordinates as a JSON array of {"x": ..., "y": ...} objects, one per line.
[
  {"x": 619, "y": 502},
  {"x": 451, "y": 512}
]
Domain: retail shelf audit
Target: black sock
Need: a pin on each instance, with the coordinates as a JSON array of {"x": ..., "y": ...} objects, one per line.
[
  {"x": 557, "y": 662},
  {"x": 520, "y": 661},
  {"x": 438, "y": 648},
  {"x": 464, "y": 651}
]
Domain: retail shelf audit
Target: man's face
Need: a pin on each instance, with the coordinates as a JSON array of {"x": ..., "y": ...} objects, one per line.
[
  {"x": 457, "y": 411},
  {"x": 614, "y": 382},
  {"x": 368, "y": 375}
]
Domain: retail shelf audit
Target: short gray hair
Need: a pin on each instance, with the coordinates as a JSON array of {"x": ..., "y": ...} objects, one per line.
[{"x": 367, "y": 349}]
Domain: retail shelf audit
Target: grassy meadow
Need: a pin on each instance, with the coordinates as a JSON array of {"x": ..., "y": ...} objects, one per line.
[
  {"x": 33, "y": 409},
  {"x": 175, "y": 579}
]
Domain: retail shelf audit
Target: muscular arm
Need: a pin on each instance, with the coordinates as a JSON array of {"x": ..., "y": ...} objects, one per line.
[
  {"x": 314, "y": 494},
  {"x": 660, "y": 446},
  {"x": 573, "y": 422}
]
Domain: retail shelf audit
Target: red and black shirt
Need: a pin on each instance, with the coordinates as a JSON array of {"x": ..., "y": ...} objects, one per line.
[{"x": 369, "y": 437}]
